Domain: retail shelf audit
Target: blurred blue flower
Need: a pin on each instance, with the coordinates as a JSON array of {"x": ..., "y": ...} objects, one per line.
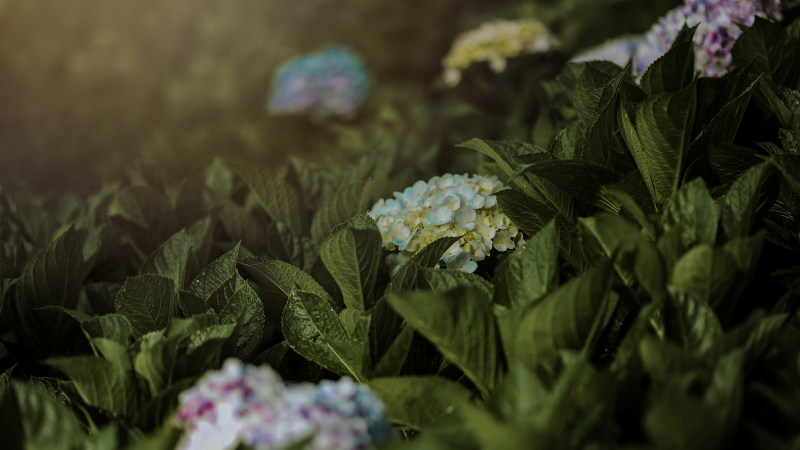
[{"x": 329, "y": 83}]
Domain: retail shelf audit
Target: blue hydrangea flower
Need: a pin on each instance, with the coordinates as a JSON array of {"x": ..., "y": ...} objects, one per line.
[
  {"x": 332, "y": 82},
  {"x": 243, "y": 404},
  {"x": 620, "y": 51},
  {"x": 446, "y": 206},
  {"x": 717, "y": 31}
]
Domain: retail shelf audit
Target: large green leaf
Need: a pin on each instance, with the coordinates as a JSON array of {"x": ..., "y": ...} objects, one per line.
[
  {"x": 415, "y": 401},
  {"x": 34, "y": 419},
  {"x": 116, "y": 327},
  {"x": 705, "y": 274},
  {"x": 635, "y": 258},
  {"x": 215, "y": 274},
  {"x": 723, "y": 126},
  {"x": 339, "y": 207},
  {"x": 101, "y": 383},
  {"x": 442, "y": 281},
  {"x": 674, "y": 70},
  {"x": 743, "y": 200},
  {"x": 313, "y": 329},
  {"x": 693, "y": 211},
  {"x": 244, "y": 308},
  {"x": 769, "y": 49},
  {"x": 148, "y": 301},
  {"x": 663, "y": 126},
  {"x": 352, "y": 255},
  {"x": 275, "y": 192},
  {"x": 562, "y": 320},
  {"x": 461, "y": 325},
  {"x": 530, "y": 272},
  {"x": 170, "y": 258},
  {"x": 526, "y": 213},
  {"x": 503, "y": 153},
  {"x": 53, "y": 276},
  {"x": 407, "y": 277},
  {"x": 155, "y": 360},
  {"x": 281, "y": 276}
]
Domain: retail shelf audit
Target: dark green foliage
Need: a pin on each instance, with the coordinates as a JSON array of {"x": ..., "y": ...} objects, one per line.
[{"x": 653, "y": 304}]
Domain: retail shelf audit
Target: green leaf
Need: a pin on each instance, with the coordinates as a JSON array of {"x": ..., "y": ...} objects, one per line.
[
  {"x": 530, "y": 272},
  {"x": 635, "y": 146},
  {"x": 352, "y": 255},
  {"x": 663, "y": 125},
  {"x": 34, "y": 419},
  {"x": 635, "y": 258},
  {"x": 461, "y": 325},
  {"x": 705, "y": 274},
  {"x": 215, "y": 274},
  {"x": 581, "y": 178},
  {"x": 562, "y": 320},
  {"x": 279, "y": 279},
  {"x": 694, "y": 324},
  {"x": 285, "y": 244},
  {"x": 723, "y": 126},
  {"x": 743, "y": 200},
  {"x": 170, "y": 259},
  {"x": 766, "y": 46},
  {"x": 155, "y": 360},
  {"x": 348, "y": 201},
  {"x": 525, "y": 212},
  {"x": 313, "y": 329},
  {"x": 51, "y": 277},
  {"x": 142, "y": 205},
  {"x": 416, "y": 401},
  {"x": 101, "y": 383},
  {"x": 677, "y": 420},
  {"x": 391, "y": 363},
  {"x": 111, "y": 326},
  {"x": 503, "y": 153},
  {"x": 694, "y": 213},
  {"x": 674, "y": 70},
  {"x": 245, "y": 310},
  {"x": 276, "y": 194},
  {"x": 407, "y": 277},
  {"x": 441, "y": 281},
  {"x": 148, "y": 301}
]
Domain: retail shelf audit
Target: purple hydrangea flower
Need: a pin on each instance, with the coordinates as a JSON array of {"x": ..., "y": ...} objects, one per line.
[
  {"x": 332, "y": 82},
  {"x": 716, "y": 33},
  {"x": 243, "y": 404}
]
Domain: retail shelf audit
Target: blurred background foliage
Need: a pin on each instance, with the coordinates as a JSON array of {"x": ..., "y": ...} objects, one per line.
[{"x": 89, "y": 87}]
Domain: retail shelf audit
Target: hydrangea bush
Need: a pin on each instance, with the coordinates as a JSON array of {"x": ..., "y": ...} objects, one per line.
[
  {"x": 495, "y": 42},
  {"x": 446, "y": 206},
  {"x": 718, "y": 27},
  {"x": 244, "y": 404},
  {"x": 329, "y": 83}
]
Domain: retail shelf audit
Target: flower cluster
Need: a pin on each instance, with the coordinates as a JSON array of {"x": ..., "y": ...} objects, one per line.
[
  {"x": 446, "y": 206},
  {"x": 494, "y": 42},
  {"x": 243, "y": 404},
  {"x": 332, "y": 82},
  {"x": 620, "y": 51},
  {"x": 717, "y": 31}
]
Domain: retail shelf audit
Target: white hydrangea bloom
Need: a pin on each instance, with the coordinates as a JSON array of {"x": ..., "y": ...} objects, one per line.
[
  {"x": 494, "y": 42},
  {"x": 446, "y": 206}
]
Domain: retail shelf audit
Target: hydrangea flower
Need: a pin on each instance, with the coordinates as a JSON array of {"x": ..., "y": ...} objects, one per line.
[
  {"x": 446, "y": 206},
  {"x": 620, "y": 51},
  {"x": 714, "y": 37},
  {"x": 244, "y": 404},
  {"x": 495, "y": 42},
  {"x": 332, "y": 82}
]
